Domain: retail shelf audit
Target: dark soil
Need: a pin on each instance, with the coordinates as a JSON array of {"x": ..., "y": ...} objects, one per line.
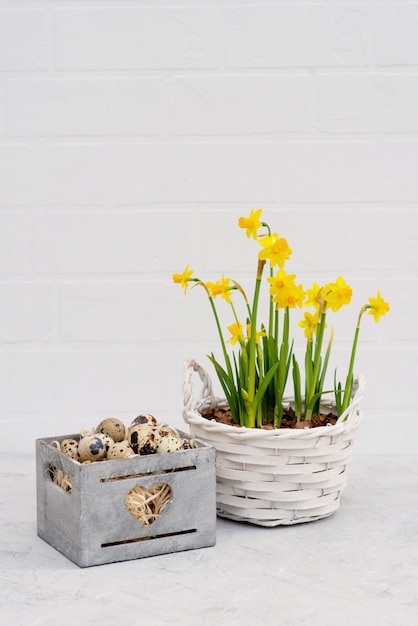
[{"x": 224, "y": 416}]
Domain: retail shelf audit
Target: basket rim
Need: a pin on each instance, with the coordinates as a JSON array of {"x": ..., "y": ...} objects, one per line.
[
  {"x": 194, "y": 417},
  {"x": 348, "y": 421},
  {"x": 351, "y": 419}
]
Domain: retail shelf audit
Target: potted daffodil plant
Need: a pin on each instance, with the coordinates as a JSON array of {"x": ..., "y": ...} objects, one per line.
[{"x": 299, "y": 444}]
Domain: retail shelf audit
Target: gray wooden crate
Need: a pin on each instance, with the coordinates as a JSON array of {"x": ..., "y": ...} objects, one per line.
[{"x": 92, "y": 526}]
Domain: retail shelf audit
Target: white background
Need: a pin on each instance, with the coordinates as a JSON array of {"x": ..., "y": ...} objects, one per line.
[{"x": 134, "y": 134}]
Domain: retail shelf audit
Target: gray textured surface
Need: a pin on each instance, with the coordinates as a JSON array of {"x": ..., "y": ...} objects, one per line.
[
  {"x": 357, "y": 567},
  {"x": 83, "y": 523}
]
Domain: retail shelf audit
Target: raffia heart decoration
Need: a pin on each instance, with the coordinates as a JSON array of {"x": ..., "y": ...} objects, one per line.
[{"x": 146, "y": 505}]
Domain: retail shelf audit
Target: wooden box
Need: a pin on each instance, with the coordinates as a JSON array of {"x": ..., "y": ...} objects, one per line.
[{"x": 91, "y": 524}]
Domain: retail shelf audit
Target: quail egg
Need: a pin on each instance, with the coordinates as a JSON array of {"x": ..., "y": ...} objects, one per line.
[
  {"x": 168, "y": 443},
  {"x": 91, "y": 448},
  {"x": 120, "y": 450},
  {"x": 165, "y": 429},
  {"x": 86, "y": 432},
  {"x": 145, "y": 418},
  {"x": 69, "y": 447},
  {"x": 106, "y": 440},
  {"x": 112, "y": 427},
  {"x": 188, "y": 444},
  {"x": 142, "y": 439}
]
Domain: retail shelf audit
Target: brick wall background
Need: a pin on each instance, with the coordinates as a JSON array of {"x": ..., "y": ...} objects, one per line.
[{"x": 133, "y": 134}]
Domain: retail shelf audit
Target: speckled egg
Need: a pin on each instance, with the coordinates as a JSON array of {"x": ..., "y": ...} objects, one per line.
[
  {"x": 145, "y": 418},
  {"x": 142, "y": 439},
  {"x": 69, "y": 447},
  {"x": 188, "y": 444},
  {"x": 113, "y": 427},
  {"x": 86, "y": 432},
  {"x": 91, "y": 448},
  {"x": 106, "y": 440},
  {"x": 168, "y": 443},
  {"x": 120, "y": 450},
  {"x": 165, "y": 429}
]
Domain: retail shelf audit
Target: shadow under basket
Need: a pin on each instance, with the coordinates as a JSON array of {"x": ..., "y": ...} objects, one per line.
[
  {"x": 274, "y": 477},
  {"x": 88, "y": 517}
]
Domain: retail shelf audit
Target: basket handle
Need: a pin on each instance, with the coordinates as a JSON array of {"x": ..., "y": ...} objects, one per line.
[
  {"x": 352, "y": 411},
  {"x": 190, "y": 367}
]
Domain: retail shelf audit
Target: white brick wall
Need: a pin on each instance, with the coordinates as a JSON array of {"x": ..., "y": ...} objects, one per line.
[
  {"x": 132, "y": 136},
  {"x": 51, "y": 107}
]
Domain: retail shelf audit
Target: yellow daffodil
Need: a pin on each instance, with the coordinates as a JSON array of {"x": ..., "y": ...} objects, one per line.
[
  {"x": 309, "y": 323},
  {"x": 184, "y": 278},
  {"x": 226, "y": 289},
  {"x": 222, "y": 288},
  {"x": 251, "y": 223},
  {"x": 313, "y": 296},
  {"x": 378, "y": 307},
  {"x": 236, "y": 331},
  {"x": 258, "y": 335},
  {"x": 284, "y": 291},
  {"x": 275, "y": 249},
  {"x": 337, "y": 294},
  {"x": 214, "y": 289}
]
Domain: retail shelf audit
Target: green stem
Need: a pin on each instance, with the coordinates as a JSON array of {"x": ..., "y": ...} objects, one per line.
[
  {"x": 316, "y": 366},
  {"x": 276, "y": 326},
  {"x": 308, "y": 368},
  {"x": 271, "y": 307},
  {"x": 253, "y": 337},
  {"x": 272, "y": 318},
  {"x": 348, "y": 386},
  {"x": 244, "y": 354},
  {"x": 223, "y": 344}
]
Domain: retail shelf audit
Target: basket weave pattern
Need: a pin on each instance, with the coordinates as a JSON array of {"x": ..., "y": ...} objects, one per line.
[{"x": 274, "y": 477}]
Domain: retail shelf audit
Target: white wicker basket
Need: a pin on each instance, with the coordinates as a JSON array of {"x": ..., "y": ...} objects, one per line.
[{"x": 274, "y": 477}]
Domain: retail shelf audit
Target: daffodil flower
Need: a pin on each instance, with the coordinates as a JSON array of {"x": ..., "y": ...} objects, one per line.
[
  {"x": 184, "y": 278},
  {"x": 251, "y": 223},
  {"x": 377, "y": 307},
  {"x": 337, "y": 294},
  {"x": 313, "y": 296},
  {"x": 222, "y": 288},
  {"x": 284, "y": 291},
  {"x": 214, "y": 288},
  {"x": 226, "y": 289},
  {"x": 309, "y": 323},
  {"x": 236, "y": 331},
  {"x": 258, "y": 335},
  {"x": 275, "y": 249}
]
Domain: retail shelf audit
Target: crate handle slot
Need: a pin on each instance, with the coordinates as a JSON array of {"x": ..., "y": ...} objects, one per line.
[
  {"x": 155, "y": 473},
  {"x": 138, "y": 539}
]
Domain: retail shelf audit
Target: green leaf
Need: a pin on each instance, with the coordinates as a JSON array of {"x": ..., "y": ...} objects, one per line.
[
  {"x": 315, "y": 397},
  {"x": 338, "y": 394},
  {"x": 296, "y": 388},
  {"x": 263, "y": 386},
  {"x": 228, "y": 387}
]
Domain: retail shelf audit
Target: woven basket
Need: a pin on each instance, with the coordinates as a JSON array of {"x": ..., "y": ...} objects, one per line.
[{"x": 274, "y": 477}]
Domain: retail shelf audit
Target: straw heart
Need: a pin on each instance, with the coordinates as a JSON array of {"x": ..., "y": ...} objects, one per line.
[{"x": 146, "y": 505}]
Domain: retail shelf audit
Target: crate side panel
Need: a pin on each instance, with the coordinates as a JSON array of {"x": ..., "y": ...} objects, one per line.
[
  {"x": 189, "y": 520},
  {"x": 58, "y": 511}
]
